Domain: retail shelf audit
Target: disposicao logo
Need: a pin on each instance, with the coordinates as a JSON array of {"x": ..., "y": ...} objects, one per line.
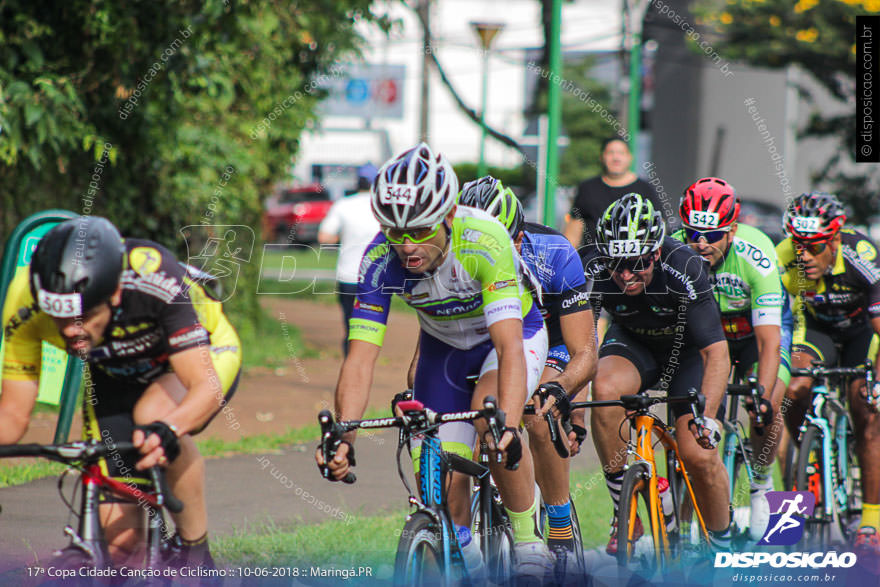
[{"x": 788, "y": 510}]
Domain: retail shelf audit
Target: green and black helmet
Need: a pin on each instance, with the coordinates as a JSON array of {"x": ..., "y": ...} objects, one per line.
[
  {"x": 488, "y": 194},
  {"x": 630, "y": 227}
]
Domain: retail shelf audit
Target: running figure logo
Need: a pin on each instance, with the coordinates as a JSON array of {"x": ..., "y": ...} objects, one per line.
[{"x": 788, "y": 511}]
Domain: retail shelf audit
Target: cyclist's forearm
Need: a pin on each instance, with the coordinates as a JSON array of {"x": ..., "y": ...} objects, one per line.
[
  {"x": 196, "y": 407},
  {"x": 355, "y": 379},
  {"x": 16, "y": 404},
  {"x": 768, "y": 338},
  {"x": 511, "y": 384},
  {"x": 578, "y": 371},
  {"x": 716, "y": 368},
  {"x": 875, "y": 323}
]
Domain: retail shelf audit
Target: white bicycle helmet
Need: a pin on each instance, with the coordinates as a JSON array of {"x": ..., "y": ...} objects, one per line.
[{"x": 415, "y": 189}]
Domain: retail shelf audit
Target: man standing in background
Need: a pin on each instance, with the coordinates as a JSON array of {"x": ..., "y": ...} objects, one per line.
[
  {"x": 594, "y": 195},
  {"x": 350, "y": 223}
]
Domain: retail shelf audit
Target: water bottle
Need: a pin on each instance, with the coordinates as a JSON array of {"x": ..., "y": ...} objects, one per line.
[{"x": 668, "y": 504}]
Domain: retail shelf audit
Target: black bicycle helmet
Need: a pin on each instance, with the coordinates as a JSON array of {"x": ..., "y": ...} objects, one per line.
[
  {"x": 487, "y": 193},
  {"x": 77, "y": 266},
  {"x": 630, "y": 227}
]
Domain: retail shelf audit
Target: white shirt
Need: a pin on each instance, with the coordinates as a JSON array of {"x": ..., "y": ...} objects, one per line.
[{"x": 352, "y": 220}]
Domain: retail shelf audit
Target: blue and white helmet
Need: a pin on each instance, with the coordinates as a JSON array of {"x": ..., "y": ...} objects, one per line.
[{"x": 415, "y": 189}]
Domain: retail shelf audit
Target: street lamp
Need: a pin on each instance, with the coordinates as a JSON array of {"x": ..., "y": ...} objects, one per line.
[{"x": 486, "y": 33}]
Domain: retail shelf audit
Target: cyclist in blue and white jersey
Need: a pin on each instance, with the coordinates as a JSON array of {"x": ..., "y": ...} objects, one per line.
[
  {"x": 457, "y": 267},
  {"x": 560, "y": 290}
]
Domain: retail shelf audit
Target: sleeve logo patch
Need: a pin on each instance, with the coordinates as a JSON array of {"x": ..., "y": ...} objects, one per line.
[
  {"x": 404, "y": 194},
  {"x": 145, "y": 260},
  {"x": 501, "y": 284},
  {"x": 624, "y": 248},
  {"x": 698, "y": 219},
  {"x": 866, "y": 251},
  {"x": 769, "y": 299}
]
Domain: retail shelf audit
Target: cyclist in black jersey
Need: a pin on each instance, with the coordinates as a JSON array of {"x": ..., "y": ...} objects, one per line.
[
  {"x": 163, "y": 361},
  {"x": 665, "y": 334},
  {"x": 833, "y": 274}
]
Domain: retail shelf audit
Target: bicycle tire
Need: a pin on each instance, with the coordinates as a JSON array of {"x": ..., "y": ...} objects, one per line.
[
  {"x": 848, "y": 515},
  {"x": 633, "y": 488},
  {"x": 419, "y": 559},
  {"x": 788, "y": 479},
  {"x": 578, "y": 539},
  {"x": 809, "y": 477},
  {"x": 499, "y": 553}
]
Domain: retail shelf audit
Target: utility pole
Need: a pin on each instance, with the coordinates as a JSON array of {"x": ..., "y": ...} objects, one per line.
[
  {"x": 486, "y": 33},
  {"x": 554, "y": 113},
  {"x": 636, "y": 13},
  {"x": 424, "y": 10}
]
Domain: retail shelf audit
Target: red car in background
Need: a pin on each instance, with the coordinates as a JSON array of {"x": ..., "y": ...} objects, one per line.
[{"x": 292, "y": 214}]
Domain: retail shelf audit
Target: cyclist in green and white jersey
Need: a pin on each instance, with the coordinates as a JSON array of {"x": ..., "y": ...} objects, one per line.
[
  {"x": 458, "y": 268},
  {"x": 748, "y": 289}
]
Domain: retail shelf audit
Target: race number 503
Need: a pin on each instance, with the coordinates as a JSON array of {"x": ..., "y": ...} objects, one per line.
[
  {"x": 623, "y": 248},
  {"x": 60, "y": 305}
]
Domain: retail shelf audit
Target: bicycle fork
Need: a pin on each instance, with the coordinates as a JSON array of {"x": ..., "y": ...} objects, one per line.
[{"x": 88, "y": 536}]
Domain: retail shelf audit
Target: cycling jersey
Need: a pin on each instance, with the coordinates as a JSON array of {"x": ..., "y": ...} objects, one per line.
[
  {"x": 555, "y": 264},
  {"x": 480, "y": 282},
  {"x": 842, "y": 300},
  {"x": 746, "y": 283},
  {"x": 678, "y": 299},
  {"x": 163, "y": 311}
]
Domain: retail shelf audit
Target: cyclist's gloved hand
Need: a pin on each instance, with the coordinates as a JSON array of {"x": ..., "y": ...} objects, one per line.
[
  {"x": 872, "y": 395},
  {"x": 550, "y": 395},
  {"x": 341, "y": 461},
  {"x": 167, "y": 438},
  {"x": 706, "y": 431},
  {"x": 576, "y": 438},
  {"x": 512, "y": 445}
]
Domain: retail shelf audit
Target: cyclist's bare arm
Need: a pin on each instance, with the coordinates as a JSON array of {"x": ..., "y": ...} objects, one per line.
[
  {"x": 579, "y": 338},
  {"x": 716, "y": 368},
  {"x": 352, "y": 394},
  {"x": 411, "y": 374},
  {"x": 768, "y": 337},
  {"x": 507, "y": 339},
  {"x": 574, "y": 230},
  {"x": 16, "y": 404},
  {"x": 875, "y": 324},
  {"x": 203, "y": 395}
]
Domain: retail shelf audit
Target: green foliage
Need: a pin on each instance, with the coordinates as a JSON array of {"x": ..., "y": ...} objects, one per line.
[
  {"x": 509, "y": 176},
  {"x": 587, "y": 119},
  {"x": 818, "y": 36},
  {"x": 175, "y": 92}
]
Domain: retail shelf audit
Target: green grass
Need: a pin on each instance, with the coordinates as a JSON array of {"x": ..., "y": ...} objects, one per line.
[
  {"x": 353, "y": 542},
  {"x": 273, "y": 343},
  {"x": 372, "y": 540},
  {"x": 25, "y": 472},
  {"x": 261, "y": 443}
]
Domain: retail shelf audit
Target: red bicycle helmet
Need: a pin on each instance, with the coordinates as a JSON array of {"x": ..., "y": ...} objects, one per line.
[
  {"x": 709, "y": 203},
  {"x": 816, "y": 216}
]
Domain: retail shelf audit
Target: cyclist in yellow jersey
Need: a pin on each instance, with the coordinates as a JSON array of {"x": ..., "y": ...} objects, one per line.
[
  {"x": 833, "y": 274},
  {"x": 163, "y": 361}
]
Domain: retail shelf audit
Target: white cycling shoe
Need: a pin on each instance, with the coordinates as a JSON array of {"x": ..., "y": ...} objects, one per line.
[
  {"x": 534, "y": 563},
  {"x": 759, "y": 511}
]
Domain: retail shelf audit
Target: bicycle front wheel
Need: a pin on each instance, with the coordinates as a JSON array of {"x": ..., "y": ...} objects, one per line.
[
  {"x": 848, "y": 493},
  {"x": 810, "y": 476},
  {"x": 634, "y": 520},
  {"x": 419, "y": 559}
]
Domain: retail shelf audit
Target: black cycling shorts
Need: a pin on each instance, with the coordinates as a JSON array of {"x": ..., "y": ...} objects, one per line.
[
  {"x": 674, "y": 369},
  {"x": 822, "y": 345},
  {"x": 108, "y": 407}
]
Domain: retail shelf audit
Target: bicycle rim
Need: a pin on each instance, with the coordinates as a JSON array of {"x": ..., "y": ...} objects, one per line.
[
  {"x": 635, "y": 552},
  {"x": 419, "y": 559},
  {"x": 809, "y": 476}
]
